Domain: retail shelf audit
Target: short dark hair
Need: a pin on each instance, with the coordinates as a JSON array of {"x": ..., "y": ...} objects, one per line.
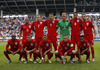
[
  {"x": 64, "y": 35},
  {"x": 45, "y": 35},
  {"x": 83, "y": 14},
  {"x": 51, "y": 13},
  {"x": 13, "y": 35},
  {"x": 29, "y": 35},
  {"x": 75, "y": 12},
  {"x": 81, "y": 36}
]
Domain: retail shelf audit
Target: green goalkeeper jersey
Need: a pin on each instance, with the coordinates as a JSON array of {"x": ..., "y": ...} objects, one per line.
[{"x": 64, "y": 28}]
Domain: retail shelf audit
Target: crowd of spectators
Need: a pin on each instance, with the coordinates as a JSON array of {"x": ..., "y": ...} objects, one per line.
[{"x": 12, "y": 25}]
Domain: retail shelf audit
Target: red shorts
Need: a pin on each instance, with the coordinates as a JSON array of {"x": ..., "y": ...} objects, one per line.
[
  {"x": 89, "y": 38},
  {"x": 49, "y": 53},
  {"x": 75, "y": 39},
  {"x": 13, "y": 50},
  {"x": 38, "y": 39},
  {"x": 53, "y": 39},
  {"x": 86, "y": 52},
  {"x": 23, "y": 40},
  {"x": 67, "y": 53}
]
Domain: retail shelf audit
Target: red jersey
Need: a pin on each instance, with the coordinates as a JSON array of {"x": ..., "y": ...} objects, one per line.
[
  {"x": 14, "y": 45},
  {"x": 76, "y": 26},
  {"x": 87, "y": 27},
  {"x": 38, "y": 27},
  {"x": 51, "y": 25},
  {"x": 29, "y": 45},
  {"x": 26, "y": 29},
  {"x": 45, "y": 45},
  {"x": 65, "y": 47},
  {"x": 83, "y": 46}
]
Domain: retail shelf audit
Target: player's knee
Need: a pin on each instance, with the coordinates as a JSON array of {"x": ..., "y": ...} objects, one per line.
[{"x": 88, "y": 52}]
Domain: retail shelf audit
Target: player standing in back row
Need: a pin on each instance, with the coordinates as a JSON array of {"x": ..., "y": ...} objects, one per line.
[
  {"x": 52, "y": 34},
  {"x": 25, "y": 29},
  {"x": 87, "y": 27},
  {"x": 75, "y": 29},
  {"x": 64, "y": 26}
]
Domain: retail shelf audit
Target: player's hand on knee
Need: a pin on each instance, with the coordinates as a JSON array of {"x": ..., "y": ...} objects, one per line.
[
  {"x": 73, "y": 51},
  {"x": 27, "y": 52},
  {"x": 62, "y": 57},
  {"x": 45, "y": 53},
  {"x": 65, "y": 53},
  {"x": 56, "y": 52}
]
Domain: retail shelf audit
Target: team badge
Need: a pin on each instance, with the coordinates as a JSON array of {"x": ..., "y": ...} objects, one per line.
[
  {"x": 67, "y": 23},
  {"x": 53, "y": 22},
  {"x": 77, "y": 20},
  {"x": 84, "y": 44},
  {"x": 29, "y": 26},
  {"x": 16, "y": 43},
  {"x": 47, "y": 44},
  {"x": 67, "y": 44},
  {"x": 31, "y": 44},
  {"x": 40, "y": 22},
  {"x": 87, "y": 24}
]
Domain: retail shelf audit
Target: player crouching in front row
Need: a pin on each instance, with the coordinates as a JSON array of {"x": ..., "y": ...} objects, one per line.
[
  {"x": 65, "y": 48},
  {"x": 45, "y": 48},
  {"x": 15, "y": 48},
  {"x": 29, "y": 46},
  {"x": 83, "y": 48}
]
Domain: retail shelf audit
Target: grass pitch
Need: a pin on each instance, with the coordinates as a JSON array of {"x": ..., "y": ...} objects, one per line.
[{"x": 15, "y": 65}]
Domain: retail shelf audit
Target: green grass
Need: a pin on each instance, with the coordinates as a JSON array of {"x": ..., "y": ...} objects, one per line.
[{"x": 15, "y": 65}]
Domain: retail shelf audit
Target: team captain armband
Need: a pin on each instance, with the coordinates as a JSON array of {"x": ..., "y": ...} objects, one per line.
[{"x": 71, "y": 45}]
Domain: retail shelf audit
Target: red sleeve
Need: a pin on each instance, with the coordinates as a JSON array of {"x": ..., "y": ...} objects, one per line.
[
  {"x": 19, "y": 45},
  {"x": 80, "y": 20},
  {"x": 35, "y": 44},
  {"x": 7, "y": 45},
  {"x": 87, "y": 44},
  {"x": 91, "y": 24},
  {"x": 40, "y": 45},
  {"x": 59, "y": 49},
  {"x": 23, "y": 45},
  {"x": 21, "y": 28},
  {"x": 78, "y": 45},
  {"x": 45, "y": 22},
  {"x": 81, "y": 24},
  {"x": 33, "y": 26},
  {"x": 50, "y": 45},
  {"x": 71, "y": 47},
  {"x": 57, "y": 21}
]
